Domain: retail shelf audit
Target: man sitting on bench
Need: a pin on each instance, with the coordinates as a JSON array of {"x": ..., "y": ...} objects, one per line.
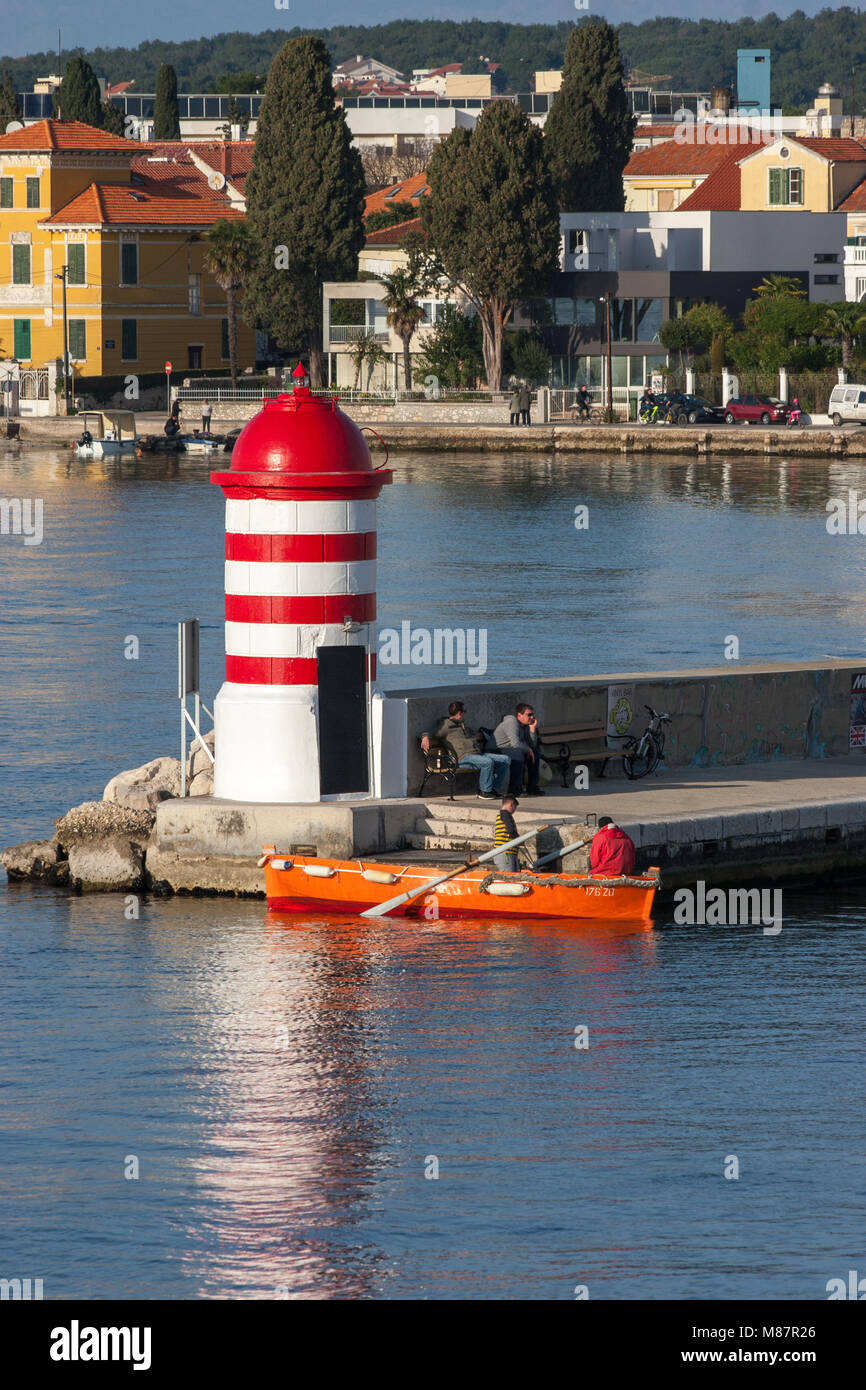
[
  {"x": 467, "y": 748},
  {"x": 517, "y": 736}
]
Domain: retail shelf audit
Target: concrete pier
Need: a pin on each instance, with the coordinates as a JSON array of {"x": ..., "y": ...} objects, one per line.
[{"x": 798, "y": 822}]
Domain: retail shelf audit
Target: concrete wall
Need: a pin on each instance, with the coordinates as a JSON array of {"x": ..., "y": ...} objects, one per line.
[
  {"x": 720, "y": 716},
  {"x": 428, "y": 412}
]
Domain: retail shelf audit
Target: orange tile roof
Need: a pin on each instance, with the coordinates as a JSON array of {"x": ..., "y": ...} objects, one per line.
[
  {"x": 671, "y": 158},
  {"x": 831, "y": 148},
  {"x": 407, "y": 191},
  {"x": 145, "y": 204},
  {"x": 65, "y": 135},
  {"x": 856, "y": 200},
  {"x": 392, "y": 236},
  {"x": 719, "y": 192}
]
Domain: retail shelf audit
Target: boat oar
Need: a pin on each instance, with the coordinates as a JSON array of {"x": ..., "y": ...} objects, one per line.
[
  {"x": 561, "y": 853},
  {"x": 382, "y": 909}
]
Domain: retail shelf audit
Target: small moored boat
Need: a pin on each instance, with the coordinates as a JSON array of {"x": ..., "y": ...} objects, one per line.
[
  {"x": 301, "y": 883},
  {"x": 105, "y": 433}
]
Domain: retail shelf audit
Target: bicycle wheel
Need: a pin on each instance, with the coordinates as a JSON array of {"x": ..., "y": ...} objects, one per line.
[{"x": 640, "y": 761}]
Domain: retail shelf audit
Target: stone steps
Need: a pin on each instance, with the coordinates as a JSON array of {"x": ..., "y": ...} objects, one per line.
[{"x": 419, "y": 840}]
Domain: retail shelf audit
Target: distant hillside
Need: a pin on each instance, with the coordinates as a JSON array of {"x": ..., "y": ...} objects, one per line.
[{"x": 805, "y": 51}]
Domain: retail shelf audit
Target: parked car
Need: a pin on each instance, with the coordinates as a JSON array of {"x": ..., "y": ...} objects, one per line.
[
  {"x": 765, "y": 409},
  {"x": 700, "y": 411},
  {"x": 847, "y": 402}
]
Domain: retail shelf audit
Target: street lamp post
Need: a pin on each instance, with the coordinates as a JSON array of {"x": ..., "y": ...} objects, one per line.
[{"x": 62, "y": 276}]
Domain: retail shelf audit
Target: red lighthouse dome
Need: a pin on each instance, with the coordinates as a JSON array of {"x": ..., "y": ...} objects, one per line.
[{"x": 300, "y": 433}]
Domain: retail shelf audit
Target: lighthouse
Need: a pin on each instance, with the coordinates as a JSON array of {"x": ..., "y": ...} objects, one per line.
[{"x": 293, "y": 717}]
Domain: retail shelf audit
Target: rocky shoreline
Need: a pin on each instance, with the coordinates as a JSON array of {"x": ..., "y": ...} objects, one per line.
[{"x": 105, "y": 846}]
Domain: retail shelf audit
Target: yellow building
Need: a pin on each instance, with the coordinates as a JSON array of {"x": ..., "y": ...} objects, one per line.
[{"x": 127, "y": 230}]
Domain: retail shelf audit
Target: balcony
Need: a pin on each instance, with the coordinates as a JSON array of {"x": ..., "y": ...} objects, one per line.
[
  {"x": 350, "y": 332},
  {"x": 855, "y": 255}
]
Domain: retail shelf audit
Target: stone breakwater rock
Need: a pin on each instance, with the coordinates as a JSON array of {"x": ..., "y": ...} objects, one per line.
[
  {"x": 143, "y": 788},
  {"x": 202, "y": 783},
  {"x": 39, "y": 861},
  {"x": 105, "y": 844},
  {"x": 198, "y": 760}
]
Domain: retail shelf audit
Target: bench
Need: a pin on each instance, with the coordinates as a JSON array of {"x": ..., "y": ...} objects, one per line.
[{"x": 564, "y": 744}]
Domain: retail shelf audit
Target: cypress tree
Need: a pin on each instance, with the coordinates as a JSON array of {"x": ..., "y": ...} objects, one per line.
[
  {"x": 492, "y": 219},
  {"x": 10, "y": 108},
  {"x": 588, "y": 133},
  {"x": 305, "y": 199},
  {"x": 79, "y": 97},
  {"x": 112, "y": 118},
  {"x": 166, "y": 122}
]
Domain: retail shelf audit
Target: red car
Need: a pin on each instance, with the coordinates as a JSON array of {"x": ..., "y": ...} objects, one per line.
[{"x": 765, "y": 409}]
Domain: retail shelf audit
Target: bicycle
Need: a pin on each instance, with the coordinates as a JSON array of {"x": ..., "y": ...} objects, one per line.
[
  {"x": 642, "y": 755},
  {"x": 648, "y": 416},
  {"x": 593, "y": 416}
]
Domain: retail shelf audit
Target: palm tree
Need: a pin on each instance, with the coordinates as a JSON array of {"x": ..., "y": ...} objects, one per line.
[
  {"x": 845, "y": 321},
  {"x": 405, "y": 311},
  {"x": 229, "y": 257},
  {"x": 780, "y": 287}
]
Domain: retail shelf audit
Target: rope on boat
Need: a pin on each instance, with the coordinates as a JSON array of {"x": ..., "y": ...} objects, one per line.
[{"x": 560, "y": 881}]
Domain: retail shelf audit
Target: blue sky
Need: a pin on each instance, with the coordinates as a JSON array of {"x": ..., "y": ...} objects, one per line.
[{"x": 30, "y": 26}]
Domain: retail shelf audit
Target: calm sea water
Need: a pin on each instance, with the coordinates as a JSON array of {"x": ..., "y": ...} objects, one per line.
[{"x": 284, "y": 1085}]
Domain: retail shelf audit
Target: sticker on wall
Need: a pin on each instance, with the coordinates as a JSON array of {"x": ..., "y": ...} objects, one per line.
[
  {"x": 857, "y": 720},
  {"x": 620, "y": 709}
]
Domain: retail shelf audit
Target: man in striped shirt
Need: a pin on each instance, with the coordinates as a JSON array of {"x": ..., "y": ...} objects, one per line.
[{"x": 505, "y": 830}]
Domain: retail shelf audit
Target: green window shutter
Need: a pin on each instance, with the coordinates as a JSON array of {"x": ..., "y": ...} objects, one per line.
[
  {"x": 224, "y": 339},
  {"x": 77, "y": 339},
  {"x": 75, "y": 262},
  {"x": 21, "y": 339},
  {"x": 33, "y": 193},
  {"x": 778, "y": 187},
  {"x": 129, "y": 339},
  {"x": 129, "y": 263},
  {"x": 20, "y": 264},
  {"x": 6, "y": 193}
]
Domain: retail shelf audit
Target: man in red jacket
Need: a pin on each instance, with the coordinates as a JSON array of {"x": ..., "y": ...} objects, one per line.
[{"x": 612, "y": 851}]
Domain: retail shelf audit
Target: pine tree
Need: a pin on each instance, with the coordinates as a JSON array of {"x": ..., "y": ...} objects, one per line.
[
  {"x": 79, "y": 97},
  {"x": 588, "y": 133},
  {"x": 492, "y": 219},
  {"x": 10, "y": 107},
  {"x": 305, "y": 199},
  {"x": 166, "y": 122}
]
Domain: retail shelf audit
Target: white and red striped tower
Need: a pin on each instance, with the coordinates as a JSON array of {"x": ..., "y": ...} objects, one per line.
[{"x": 300, "y": 585}]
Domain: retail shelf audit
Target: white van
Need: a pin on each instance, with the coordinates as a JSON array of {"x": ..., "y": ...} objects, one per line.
[{"x": 847, "y": 403}]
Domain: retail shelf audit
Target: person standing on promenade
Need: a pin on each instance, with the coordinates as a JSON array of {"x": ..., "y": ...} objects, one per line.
[
  {"x": 206, "y": 413},
  {"x": 514, "y": 407},
  {"x": 525, "y": 403},
  {"x": 517, "y": 736},
  {"x": 493, "y": 768},
  {"x": 612, "y": 851},
  {"x": 505, "y": 830}
]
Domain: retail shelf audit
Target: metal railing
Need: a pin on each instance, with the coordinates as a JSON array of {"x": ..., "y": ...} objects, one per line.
[{"x": 351, "y": 332}]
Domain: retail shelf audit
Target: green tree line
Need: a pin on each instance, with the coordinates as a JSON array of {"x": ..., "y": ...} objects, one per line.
[{"x": 806, "y": 51}]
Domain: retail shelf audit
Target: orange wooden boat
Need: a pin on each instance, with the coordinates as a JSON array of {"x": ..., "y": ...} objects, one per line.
[{"x": 301, "y": 883}]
